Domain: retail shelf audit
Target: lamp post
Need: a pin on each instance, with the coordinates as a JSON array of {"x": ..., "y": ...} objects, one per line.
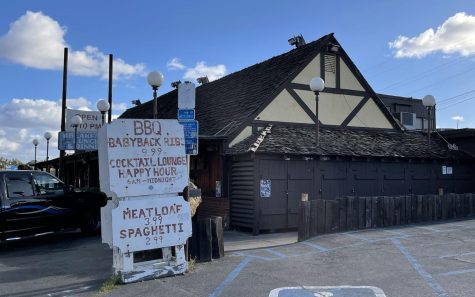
[
  {"x": 35, "y": 143},
  {"x": 317, "y": 85},
  {"x": 429, "y": 102},
  {"x": 47, "y": 137},
  {"x": 75, "y": 122},
  {"x": 103, "y": 106},
  {"x": 155, "y": 80}
]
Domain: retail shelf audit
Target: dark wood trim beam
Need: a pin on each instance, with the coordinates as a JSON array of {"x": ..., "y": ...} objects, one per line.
[
  {"x": 355, "y": 111},
  {"x": 322, "y": 65},
  {"x": 304, "y": 87},
  {"x": 302, "y": 104}
]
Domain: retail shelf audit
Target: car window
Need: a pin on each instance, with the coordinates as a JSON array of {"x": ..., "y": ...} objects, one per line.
[
  {"x": 48, "y": 185},
  {"x": 18, "y": 185}
]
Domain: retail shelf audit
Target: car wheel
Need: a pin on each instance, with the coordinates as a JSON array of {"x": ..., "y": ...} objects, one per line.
[{"x": 91, "y": 223}]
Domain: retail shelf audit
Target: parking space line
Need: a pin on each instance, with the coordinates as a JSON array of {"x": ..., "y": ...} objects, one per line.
[
  {"x": 436, "y": 287},
  {"x": 315, "y": 246},
  {"x": 456, "y": 272},
  {"x": 456, "y": 255},
  {"x": 279, "y": 254},
  {"x": 355, "y": 236},
  {"x": 231, "y": 276}
]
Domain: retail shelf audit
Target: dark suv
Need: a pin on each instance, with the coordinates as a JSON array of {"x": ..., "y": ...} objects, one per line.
[{"x": 33, "y": 202}]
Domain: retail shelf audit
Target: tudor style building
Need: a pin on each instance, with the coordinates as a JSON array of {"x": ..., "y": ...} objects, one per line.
[{"x": 258, "y": 146}]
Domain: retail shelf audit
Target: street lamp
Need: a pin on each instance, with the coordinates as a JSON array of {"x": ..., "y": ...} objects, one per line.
[
  {"x": 47, "y": 137},
  {"x": 35, "y": 143},
  {"x": 103, "y": 106},
  {"x": 429, "y": 102},
  {"x": 155, "y": 80},
  {"x": 317, "y": 85},
  {"x": 75, "y": 122}
]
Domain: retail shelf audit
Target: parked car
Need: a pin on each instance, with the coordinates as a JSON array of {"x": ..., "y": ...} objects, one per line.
[{"x": 34, "y": 202}]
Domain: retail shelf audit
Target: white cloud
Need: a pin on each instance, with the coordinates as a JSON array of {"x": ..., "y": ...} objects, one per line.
[
  {"x": 119, "y": 107},
  {"x": 201, "y": 69},
  {"x": 175, "y": 64},
  {"x": 457, "y": 118},
  {"x": 36, "y": 40},
  {"x": 454, "y": 36},
  {"x": 22, "y": 120}
]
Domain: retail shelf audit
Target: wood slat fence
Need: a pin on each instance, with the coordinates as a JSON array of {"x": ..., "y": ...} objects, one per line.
[{"x": 351, "y": 213}]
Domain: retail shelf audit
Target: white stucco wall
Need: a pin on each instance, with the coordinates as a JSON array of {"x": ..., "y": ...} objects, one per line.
[
  {"x": 309, "y": 72},
  {"x": 245, "y": 133},
  {"x": 370, "y": 116},
  {"x": 284, "y": 109},
  {"x": 347, "y": 79}
]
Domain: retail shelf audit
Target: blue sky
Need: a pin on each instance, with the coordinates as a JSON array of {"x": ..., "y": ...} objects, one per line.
[{"x": 215, "y": 38}]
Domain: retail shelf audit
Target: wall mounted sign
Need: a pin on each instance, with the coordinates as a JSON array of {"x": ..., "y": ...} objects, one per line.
[
  {"x": 85, "y": 141},
  {"x": 266, "y": 187}
]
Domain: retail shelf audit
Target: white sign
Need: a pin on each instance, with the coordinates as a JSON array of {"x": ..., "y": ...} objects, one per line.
[
  {"x": 151, "y": 223},
  {"x": 91, "y": 120},
  {"x": 186, "y": 95},
  {"x": 140, "y": 157}
]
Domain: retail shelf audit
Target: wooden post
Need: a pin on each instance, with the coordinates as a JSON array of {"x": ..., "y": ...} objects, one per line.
[
  {"x": 368, "y": 202},
  {"x": 205, "y": 239},
  {"x": 217, "y": 241},
  {"x": 408, "y": 205},
  {"x": 343, "y": 209},
  {"x": 304, "y": 221},
  {"x": 374, "y": 212},
  {"x": 361, "y": 213},
  {"x": 320, "y": 216},
  {"x": 397, "y": 210},
  {"x": 351, "y": 214},
  {"x": 313, "y": 218}
]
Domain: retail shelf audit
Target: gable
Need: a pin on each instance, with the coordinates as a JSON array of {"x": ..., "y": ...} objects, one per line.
[{"x": 346, "y": 101}]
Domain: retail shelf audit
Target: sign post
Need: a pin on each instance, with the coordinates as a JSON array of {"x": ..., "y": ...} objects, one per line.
[{"x": 143, "y": 168}]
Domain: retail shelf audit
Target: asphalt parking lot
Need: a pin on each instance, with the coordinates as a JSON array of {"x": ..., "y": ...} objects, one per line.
[{"x": 421, "y": 260}]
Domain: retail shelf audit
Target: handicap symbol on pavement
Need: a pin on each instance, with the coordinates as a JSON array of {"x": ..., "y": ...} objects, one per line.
[{"x": 338, "y": 291}]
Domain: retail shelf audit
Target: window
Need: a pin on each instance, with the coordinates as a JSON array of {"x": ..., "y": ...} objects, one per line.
[
  {"x": 18, "y": 185},
  {"x": 48, "y": 185}
]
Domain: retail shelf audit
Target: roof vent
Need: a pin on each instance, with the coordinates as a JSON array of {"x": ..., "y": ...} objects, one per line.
[
  {"x": 333, "y": 47},
  {"x": 136, "y": 102},
  {"x": 297, "y": 41},
  {"x": 175, "y": 84},
  {"x": 202, "y": 80}
]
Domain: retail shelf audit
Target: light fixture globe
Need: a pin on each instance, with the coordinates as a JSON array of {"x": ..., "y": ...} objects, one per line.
[
  {"x": 103, "y": 105},
  {"x": 317, "y": 84},
  {"x": 428, "y": 101},
  {"x": 76, "y": 120},
  {"x": 48, "y": 135},
  {"x": 35, "y": 142},
  {"x": 155, "y": 79}
]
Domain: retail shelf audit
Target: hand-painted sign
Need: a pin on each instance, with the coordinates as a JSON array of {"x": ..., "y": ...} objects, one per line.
[
  {"x": 91, "y": 120},
  {"x": 142, "y": 157},
  {"x": 85, "y": 141},
  {"x": 151, "y": 223},
  {"x": 191, "y": 136}
]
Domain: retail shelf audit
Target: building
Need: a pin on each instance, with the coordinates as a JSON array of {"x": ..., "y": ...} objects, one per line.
[{"x": 258, "y": 129}]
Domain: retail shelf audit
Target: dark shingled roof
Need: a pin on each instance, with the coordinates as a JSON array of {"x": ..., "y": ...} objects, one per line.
[
  {"x": 224, "y": 104},
  {"x": 349, "y": 143}
]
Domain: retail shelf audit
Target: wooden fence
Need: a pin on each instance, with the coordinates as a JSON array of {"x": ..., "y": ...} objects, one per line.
[{"x": 351, "y": 213}]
